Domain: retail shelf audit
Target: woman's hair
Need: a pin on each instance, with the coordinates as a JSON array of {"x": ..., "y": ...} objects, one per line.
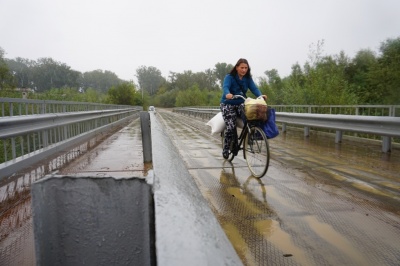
[{"x": 233, "y": 72}]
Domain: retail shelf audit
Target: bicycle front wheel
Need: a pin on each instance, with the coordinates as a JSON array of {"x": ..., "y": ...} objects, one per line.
[{"x": 256, "y": 152}]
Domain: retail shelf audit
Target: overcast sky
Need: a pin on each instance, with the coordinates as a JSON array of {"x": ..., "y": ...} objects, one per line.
[{"x": 179, "y": 35}]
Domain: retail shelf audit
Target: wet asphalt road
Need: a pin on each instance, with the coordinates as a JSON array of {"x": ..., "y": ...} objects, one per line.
[{"x": 320, "y": 203}]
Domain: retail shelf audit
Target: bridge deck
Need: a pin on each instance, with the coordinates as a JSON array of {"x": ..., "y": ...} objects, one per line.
[{"x": 319, "y": 204}]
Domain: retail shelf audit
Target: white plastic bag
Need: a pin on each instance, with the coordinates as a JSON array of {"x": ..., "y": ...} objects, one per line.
[{"x": 217, "y": 123}]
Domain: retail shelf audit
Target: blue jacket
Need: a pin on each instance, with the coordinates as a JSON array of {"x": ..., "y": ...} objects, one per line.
[{"x": 232, "y": 85}]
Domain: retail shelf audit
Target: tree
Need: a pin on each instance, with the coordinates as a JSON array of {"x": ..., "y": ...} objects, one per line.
[
  {"x": 184, "y": 80},
  {"x": 326, "y": 82},
  {"x": 124, "y": 94},
  {"x": 22, "y": 71},
  {"x": 221, "y": 69},
  {"x": 149, "y": 79},
  {"x": 272, "y": 86},
  {"x": 48, "y": 73},
  {"x": 6, "y": 78},
  {"x": 385, "y": 75},
  {"x": 99, "y": 80},
  {"x": 166, "y": 99},
  {"x": 205, "y": 80},
  {"x": 357, "y": 73},
  {"x": 322, "y": 80},
  {"x": 211, "y": 80},
  {"x": 294, "y": 86},
  {"x": 191, "y": 97}
]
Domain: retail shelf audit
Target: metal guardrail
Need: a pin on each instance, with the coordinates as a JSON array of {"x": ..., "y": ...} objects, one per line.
[
  {"x": 384, "y": 126},
  {"x": 27, "y": 139},
  {"x": 365, "y": 110},
  {"x": 17, "y": 106},
  {"x": 368, "y": 110}
]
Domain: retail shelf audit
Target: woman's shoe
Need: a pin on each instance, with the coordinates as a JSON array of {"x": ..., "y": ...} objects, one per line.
[{"x": 225, "y": 154}]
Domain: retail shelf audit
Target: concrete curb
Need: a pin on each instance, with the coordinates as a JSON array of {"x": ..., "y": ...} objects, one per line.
[{"x": 187, "y": 231}]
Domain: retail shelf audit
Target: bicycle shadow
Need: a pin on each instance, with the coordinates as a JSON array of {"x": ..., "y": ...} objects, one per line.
[{"x": 247, "y": 188}]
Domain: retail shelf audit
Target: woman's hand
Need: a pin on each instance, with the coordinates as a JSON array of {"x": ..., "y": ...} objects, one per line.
[
  {"x": 229, "y": 96},
  {"x": 265, "y": 97}
]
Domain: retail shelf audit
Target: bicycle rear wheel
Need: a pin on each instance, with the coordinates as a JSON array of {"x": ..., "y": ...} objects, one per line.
[{"x": 256, "y": 152}]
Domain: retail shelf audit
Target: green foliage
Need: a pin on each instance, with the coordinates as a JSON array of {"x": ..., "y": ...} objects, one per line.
[
  {"x": 211, "y": 80},
  {"x": 322, "y": 81},
  {"x": 221, "y": 69},
  {"x": 272, "y": 86},
  {"x": 8, "y": 93},
  {"x": 48, "y": 73},
  {"x": 64, "y": 94},
  {"x": 69, "y": 94},
  {"x": 385, "y": 75},
  {"x": 22, "y": 70},
  {"x": 191, "y": 97},
  {"x": 214, "y": 98},
  {"x": 124, "y": 94},
  {"x": 166, "y": 99},
  {"x": 149, "y": 79},
  {"x": 293, "y": 86},
  {"x": 205, "y": 80},
  {"x": 6, "y": 79},
  {"x": 99, "y": 80},
  {"x": 94, "y": 96},
  {"x": 184, "y": 80},
  {"x": 357, "y": 73}
]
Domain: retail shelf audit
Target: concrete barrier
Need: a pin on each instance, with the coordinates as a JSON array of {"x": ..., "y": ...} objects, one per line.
[
  {"x": 187, "y": 231},
  {"x": 93, "y": 221}
]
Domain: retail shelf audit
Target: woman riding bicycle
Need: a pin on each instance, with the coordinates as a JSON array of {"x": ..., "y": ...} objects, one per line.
[{"x": 237, "y": 82}]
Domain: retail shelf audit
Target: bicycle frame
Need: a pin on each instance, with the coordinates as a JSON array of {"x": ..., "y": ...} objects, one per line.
[
  {"x": 240, "y": 139},
  {"x": 246, "y": 129}
]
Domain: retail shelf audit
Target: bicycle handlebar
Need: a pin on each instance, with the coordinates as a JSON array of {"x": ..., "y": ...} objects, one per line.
[
  {"x": 240, "y": 96},
  {"x": 237, "y": 97}
]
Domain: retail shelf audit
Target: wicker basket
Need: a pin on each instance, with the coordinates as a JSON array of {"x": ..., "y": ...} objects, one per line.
[{"x": 255, "y": 109}]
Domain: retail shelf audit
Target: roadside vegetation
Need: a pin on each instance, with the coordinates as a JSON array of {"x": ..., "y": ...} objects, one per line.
[{"x": 369, "y": 78}]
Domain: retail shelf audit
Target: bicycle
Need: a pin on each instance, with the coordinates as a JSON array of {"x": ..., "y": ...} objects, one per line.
[{"x": 253, "y": 141}]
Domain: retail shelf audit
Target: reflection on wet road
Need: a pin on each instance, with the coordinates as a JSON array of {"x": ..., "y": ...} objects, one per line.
[{"x": 320, "y": 203}]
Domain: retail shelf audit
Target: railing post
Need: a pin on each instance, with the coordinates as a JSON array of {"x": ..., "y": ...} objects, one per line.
[
  {"x": 146, "y": 136},
  {"x": 306, "y": 131},
  {"x": 283, "y": 127},
  {"x": 386, "y": 143},
  {"x": 338, "y": 137}
]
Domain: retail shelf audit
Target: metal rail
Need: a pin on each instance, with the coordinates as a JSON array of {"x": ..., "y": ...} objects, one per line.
[
  {"x": 385, "y": 126},
  {"x": 17, "y": 106},
  {"x": 368, "y": 110}
]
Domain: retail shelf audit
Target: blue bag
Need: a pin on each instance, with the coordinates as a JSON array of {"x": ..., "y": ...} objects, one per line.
[{"x": 269, "y": 127}]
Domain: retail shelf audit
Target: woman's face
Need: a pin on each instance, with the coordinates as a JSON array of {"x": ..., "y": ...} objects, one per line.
[{"x": 242, "y": 69}]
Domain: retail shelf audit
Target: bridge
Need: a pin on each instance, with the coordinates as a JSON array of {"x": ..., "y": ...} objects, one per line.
[{"x": 321, "y": 202}]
